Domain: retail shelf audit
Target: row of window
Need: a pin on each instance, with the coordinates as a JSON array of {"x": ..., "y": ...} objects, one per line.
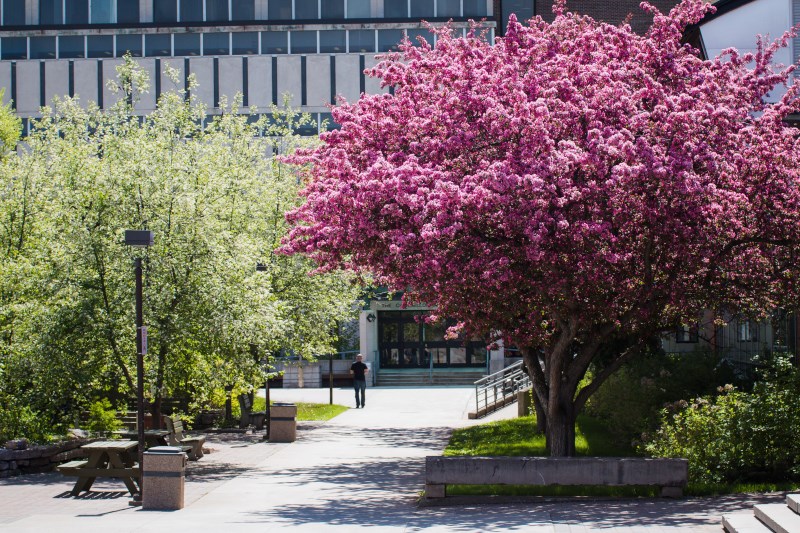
[
  {"x": 320, "y": 122},
  {"x": 746, "y": 331},
  {"x": 174, "y": 11},
  {"x": 208, "y": 44}
]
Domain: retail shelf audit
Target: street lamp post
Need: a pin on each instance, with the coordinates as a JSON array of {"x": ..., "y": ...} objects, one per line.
[
  {"x": 139, "y": 239},
  {"x": 261, "y": 267}
]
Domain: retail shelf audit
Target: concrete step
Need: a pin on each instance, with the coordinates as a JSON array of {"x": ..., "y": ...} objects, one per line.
[
  {"x": 793, "y": 501},
  {"x": 743, "y": 523},
  {"x": 778, "y": 517}
]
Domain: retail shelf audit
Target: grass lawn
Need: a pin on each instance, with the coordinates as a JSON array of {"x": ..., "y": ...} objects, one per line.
[
  {"x": 518, "y": 437},
  {"x": 308, "y": 411}
]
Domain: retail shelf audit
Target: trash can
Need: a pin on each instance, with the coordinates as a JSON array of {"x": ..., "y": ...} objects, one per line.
[
  {"x": 283, "y": 422},
  {"x": 163, "y": 478}
]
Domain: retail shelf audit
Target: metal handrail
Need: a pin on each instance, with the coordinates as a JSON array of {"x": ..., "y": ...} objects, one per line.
[{"x": 500, "y": 389}]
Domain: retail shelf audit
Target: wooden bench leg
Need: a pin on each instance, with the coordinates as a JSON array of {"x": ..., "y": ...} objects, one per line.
[
  {"x": 435, "y": 491},
  {"x": 83, "y": 483}
]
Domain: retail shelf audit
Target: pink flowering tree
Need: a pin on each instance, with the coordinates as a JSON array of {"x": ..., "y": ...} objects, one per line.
[{"x": 573, "y": 187}]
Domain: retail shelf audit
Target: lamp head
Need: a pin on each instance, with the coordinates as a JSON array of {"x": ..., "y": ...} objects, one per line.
[{"x": 138, "y": 238}]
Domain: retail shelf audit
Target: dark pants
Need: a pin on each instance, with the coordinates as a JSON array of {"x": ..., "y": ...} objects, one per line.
[{"x": 360, "y": 385}]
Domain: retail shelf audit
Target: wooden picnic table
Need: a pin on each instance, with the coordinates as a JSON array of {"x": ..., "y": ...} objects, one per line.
[
  {"x": 152, "y": 437},
  {"x": 109, "y": 458}
]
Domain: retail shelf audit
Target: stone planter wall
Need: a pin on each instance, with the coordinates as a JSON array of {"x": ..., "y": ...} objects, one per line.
[{"x": 36, "y": 459}]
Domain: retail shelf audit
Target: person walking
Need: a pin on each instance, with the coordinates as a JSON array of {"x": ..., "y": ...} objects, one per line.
[{"x": 359, "y": 372}]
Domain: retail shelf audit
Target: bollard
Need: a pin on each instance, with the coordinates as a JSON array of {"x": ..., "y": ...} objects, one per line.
[
  {"x": 163, "y": 477},
  {"x": 283, "y": 422}
]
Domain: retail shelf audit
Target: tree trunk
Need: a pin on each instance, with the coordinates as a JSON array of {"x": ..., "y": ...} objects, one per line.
[
  {"x": 561, "y": 428},
  {"x": 541, "y": 416}
]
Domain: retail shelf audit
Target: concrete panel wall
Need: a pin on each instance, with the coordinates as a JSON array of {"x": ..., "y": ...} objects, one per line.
[
  {"x": 289, "y": 79},
  {"x": 86, "y": 80},
  {"x": 259, "y": 81},
  {"x": 230, "y": 77},
  {"x": 110, "y": 73},
  {"x": 168, "y": 84},
  {"x": 372, "y": 85},
  {"x": 56, "y": 80},
  {"x": 28, "y": 80},
  {"x": 318, "y": 78},
  {"x": 203, "y": 69},
  {"x": 147, "y": 101},
  {"x": 348, "y": 82},
  {"x": 5, "y": 81}
]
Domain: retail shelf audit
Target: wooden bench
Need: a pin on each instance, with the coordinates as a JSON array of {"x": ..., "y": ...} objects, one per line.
[
  {"x": 669, "y": 474},
  {"x": 72, "y": 468},
  {"x": 248, "y": 417},
  {"x": 193, "y": 446}
]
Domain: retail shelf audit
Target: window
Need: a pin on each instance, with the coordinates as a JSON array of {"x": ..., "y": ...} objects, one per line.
[
  {"x": 358, "y": 9},
  {"x": 127, "y": 11},
  {"x": 165, "y": 11},
  {"x": 414, "y": 35},
  {"x": 50, "y": 12},
  {"x": 76, "y": 12},
  {"x": 274, "y": 42},
  {"x": 245, "y": 43},
  {"x": 306, "y": 9},
  {"x": 43, "y": 48},
  {"x": 327, "y": 123},
  {"x": 157, "y": 45},
  {"x": 187, "y": 44},
  {"x": 687, "y": 334},
  {"x": 304, "y": 42},
  {"x": 279, "y": 10},
  {"x": 191, "y": 11},
  {"x": 216, "y": 44},
  {"x": 389, "y": 40},
  {"x": 104, "y": 11},
  {"x": 748, "y": 331},
  {"x": 475, "y": 8},
  {"x": 100, "y": 46},
  {"x": 333, "y": 9},
  {"x": 448, "y": 8},
  {"x": 362, "y": 41},
  {"x": 332, "y": 41},
  {"x": 395, "y": 9},
  {"x": 14, "y": 48},
  {"x": 217, "y": 10},
  {"x": 243, "y": 10},
  {"x": 71, "y": 47},
  {"x": 421, "y": 9},
  {"x": 13, "y": 13},
  {"x": 129, "y": 44}
]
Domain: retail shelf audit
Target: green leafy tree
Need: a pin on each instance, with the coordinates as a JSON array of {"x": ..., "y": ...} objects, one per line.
[{"x": 214, "y": 196}]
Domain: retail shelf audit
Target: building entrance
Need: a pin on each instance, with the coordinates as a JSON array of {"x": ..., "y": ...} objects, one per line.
[{"x": 405, "y": 342}]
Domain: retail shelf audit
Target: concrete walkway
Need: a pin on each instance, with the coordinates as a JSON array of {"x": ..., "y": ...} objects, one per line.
[{"x": 360, "y": 471}]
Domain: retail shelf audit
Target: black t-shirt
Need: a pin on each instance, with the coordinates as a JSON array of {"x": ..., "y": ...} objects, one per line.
[{"x": 358, "y": 369}]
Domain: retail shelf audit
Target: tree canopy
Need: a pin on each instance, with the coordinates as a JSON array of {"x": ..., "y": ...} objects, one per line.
[
  {"x": 572, "y": 188},
  {"x": 213, "y": 194}
]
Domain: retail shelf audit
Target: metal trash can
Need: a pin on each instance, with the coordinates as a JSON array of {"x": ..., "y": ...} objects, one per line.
[
  {"x": 283, "y": 422},
  {"x": 163, "y": 476}
]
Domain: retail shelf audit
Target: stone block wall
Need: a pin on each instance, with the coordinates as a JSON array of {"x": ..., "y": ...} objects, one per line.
[{"x": 36, "y": 459}]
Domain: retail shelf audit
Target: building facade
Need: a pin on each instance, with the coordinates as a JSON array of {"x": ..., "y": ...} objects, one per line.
[{"x": 310, "y": 50}]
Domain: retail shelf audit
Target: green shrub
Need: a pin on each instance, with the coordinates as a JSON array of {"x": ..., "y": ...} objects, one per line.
[
  {"x": 18, "y": 421},
  {"x": 631, "y": 399},
  {"x": 103, "y": 417},
  {"x": 736, "y": 436}
]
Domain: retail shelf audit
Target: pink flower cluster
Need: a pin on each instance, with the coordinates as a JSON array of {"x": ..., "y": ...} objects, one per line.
[{"x": 572, "y": 173}]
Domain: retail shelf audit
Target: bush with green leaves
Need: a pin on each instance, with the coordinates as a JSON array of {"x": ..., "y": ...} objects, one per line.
[
  {"x": 18, "y": 421},
  {"x": 736, "y": 436},
  {"x": 103, "y": 417},
  {"x": 630, "y": 400}
]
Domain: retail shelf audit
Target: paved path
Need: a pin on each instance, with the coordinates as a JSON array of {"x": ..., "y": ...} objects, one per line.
[{"x": 360, "y": 471}]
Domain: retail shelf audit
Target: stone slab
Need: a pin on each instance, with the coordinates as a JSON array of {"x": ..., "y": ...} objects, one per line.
[
  {"x": 743, "y": 523},
  {"x": 778, "y": 517},
  {"x": 555, "y": 471}
]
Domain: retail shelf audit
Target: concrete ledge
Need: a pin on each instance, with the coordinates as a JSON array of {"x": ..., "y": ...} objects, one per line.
[{"x": 670, "y": 474}]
